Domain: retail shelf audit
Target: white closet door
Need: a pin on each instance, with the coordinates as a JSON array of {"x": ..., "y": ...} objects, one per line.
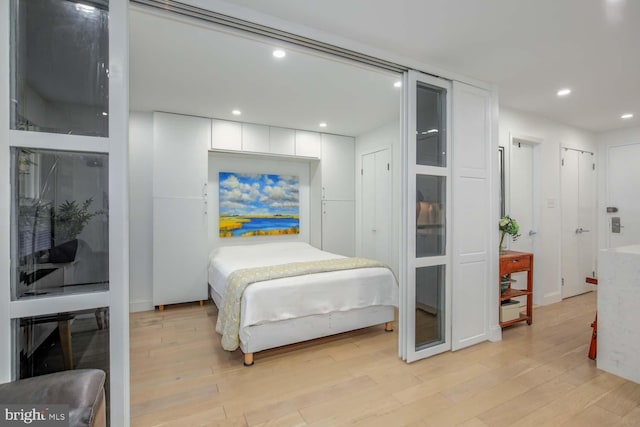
[
  {"x": 338, "y": 227},
  {"x": 180, "y": 146},
  {"x": 180, "y": 251},
  {"x": 338, "y": 167},
  {"x": 475, "y": 289},
  {"x": 180, "y": 208},
  {"x": 578, "y": 212},
  {"x": 376, "y": 206}
]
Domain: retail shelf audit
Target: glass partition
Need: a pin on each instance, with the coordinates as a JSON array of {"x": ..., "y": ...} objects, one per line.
[
  {"x": 63, "y": 341},
  {"x": 430, "y": 305},
  {"x": 430, "y": 215},
  {"x": 60, "y": 231},
  {"x": 431, "y": 129},
  {"x": 59, "y": 66}
]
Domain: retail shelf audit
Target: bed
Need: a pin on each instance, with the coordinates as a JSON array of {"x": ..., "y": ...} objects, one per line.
[{"x": 285, "y": 310}]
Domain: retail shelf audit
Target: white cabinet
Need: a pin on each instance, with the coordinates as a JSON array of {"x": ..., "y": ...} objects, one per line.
[
  {"x": 338, "y": 225},
  {"x": 308, "y": 144},
  {"x": 338, "y": 167},
  {"x": 226, "y": 135},
  {"x": 282, "y": 141},
  {"x": 180, "y": 164},
  {"x": 255, "y": 138}
]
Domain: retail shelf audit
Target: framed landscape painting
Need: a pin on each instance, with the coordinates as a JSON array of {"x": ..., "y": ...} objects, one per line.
[{"x": 258, "y": 204}]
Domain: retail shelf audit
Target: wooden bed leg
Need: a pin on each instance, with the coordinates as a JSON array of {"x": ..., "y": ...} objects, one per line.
[
  {"x": 248, "y": 359},
  {"x": 201, "y": 302},
  {"x": 388, "y": 327},
  {"x": 161, "y": 307}
]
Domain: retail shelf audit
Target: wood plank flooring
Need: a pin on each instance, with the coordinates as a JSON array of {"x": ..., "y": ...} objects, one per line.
[{"x": 539, "y": 375}]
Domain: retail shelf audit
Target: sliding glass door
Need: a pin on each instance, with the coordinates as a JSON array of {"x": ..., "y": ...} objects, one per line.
[{"x": 426, "y": 297}]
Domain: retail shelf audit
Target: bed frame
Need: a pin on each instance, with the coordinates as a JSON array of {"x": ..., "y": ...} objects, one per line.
[{"x": 276, "y": 334}]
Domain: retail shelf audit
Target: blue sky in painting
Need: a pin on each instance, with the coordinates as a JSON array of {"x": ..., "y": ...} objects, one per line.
[{"x": 258, "y": 194}]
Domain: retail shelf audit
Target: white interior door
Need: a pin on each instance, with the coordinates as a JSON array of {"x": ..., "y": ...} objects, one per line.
[
  {"x": 376, "y": 206},
  {"x": 578, "y": 221},
  {"x": 623, "y": 180}
]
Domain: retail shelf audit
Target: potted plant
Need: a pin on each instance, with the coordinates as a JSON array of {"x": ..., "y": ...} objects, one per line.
[{"x": 508, "y": 225}]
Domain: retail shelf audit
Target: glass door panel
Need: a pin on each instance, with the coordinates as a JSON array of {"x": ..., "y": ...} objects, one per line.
[
  {"x": 431, "y": 130},
  {"x": 426, "y": 295},
  {"x": 430, "y": 307},
  {"x": 59, "y": 66},
  {"x": 431, "y": 231},
  {"x": 60, "y": 229}
]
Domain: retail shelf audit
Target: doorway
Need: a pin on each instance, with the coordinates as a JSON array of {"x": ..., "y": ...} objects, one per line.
[
  {"x": 578, "y": 179},
  {"x": 523, "y": 199}
]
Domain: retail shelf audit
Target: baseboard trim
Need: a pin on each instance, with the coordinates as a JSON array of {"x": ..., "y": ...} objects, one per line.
[{"x": 144, "y": 305}]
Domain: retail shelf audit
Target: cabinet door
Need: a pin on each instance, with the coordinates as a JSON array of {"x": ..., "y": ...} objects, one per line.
[
  {"x": 282, "y": 141},
  {"x": 180, "y": 145},
  {"x": 255, "y": 138},
  {"x": 338, "y": 167},
  {"x": 308, "y": 144},
  {"x": 179, "y": 250},
  {"x": 338, "y": 227},
  {"x": 226, "y": 135}
]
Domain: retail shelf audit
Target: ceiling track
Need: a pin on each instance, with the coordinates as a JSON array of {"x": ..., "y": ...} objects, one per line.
[{"x": 262, "y": 30}]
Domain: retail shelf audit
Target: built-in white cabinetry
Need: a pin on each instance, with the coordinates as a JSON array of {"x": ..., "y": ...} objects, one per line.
[
  {"x": 226, "y": 135},
  {"x": 282, "y": 141},
  {"x": 308, "y": 144},
  {"x": 337, "y": 166},
  {"x": 255, "y": 138},
  {"x": 338, "y": 227},
  {"x": 180, "y": 146}
]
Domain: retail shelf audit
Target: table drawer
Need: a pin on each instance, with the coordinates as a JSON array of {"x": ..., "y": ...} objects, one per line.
[{"x": 514, "y": 264}]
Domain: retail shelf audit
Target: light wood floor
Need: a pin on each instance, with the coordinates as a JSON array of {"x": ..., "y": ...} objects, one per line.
[{"x": 539, "y": 375}]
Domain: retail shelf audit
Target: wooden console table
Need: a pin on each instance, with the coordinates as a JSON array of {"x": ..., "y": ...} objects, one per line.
[{"x": 515, "y": 262}]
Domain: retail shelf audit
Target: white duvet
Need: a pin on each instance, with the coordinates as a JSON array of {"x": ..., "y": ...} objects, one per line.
[{"x": 301, "y": 296}]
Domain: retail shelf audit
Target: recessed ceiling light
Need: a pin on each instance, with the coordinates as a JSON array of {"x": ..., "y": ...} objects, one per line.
[
  {"x": 279, "y": 53},
  {"x": 397, "y": 84},
  {"x": 236, "y": 112},
  {"x": 626, "y": 116},
  {"x": 564, "y": 92},
  {"x": 104, "y": 113},
  {"x": 323, "y": 124}
]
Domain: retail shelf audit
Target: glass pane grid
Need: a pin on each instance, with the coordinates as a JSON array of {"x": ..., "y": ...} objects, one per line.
[
  {"x": 60, "y": 241},
  {"x": 59, "y": 67}
]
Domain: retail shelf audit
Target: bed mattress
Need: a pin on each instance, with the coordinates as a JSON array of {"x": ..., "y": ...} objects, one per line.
[{"x": 294, "y": 297}]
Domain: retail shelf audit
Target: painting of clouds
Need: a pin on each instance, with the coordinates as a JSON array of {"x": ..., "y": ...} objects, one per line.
[{"x": 258, "y": 204}]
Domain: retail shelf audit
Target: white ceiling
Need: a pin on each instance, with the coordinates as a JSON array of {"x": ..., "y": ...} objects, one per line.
[
  {"x": 183, "y": 67},
  {"x": 530, "y": 49}
]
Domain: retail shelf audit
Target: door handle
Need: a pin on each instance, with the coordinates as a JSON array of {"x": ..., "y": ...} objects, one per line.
[
  {"x": 532, "y": 233},
  {"x": 578, "y": 230}
]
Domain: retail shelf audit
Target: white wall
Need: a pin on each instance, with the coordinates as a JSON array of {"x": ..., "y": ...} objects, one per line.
[
  {"x": 386, "y": 136},
  {"x": 606, "y": 140},
  {"x": 141, "y": 211},
  {"x": 551, "y": 137}
]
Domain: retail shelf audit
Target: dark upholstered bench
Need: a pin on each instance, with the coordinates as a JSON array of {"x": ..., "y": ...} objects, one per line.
[{"x": 81, "y": 389}]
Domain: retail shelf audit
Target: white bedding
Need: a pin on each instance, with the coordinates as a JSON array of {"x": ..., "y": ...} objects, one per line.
[{"x": 301, "y": 296}]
